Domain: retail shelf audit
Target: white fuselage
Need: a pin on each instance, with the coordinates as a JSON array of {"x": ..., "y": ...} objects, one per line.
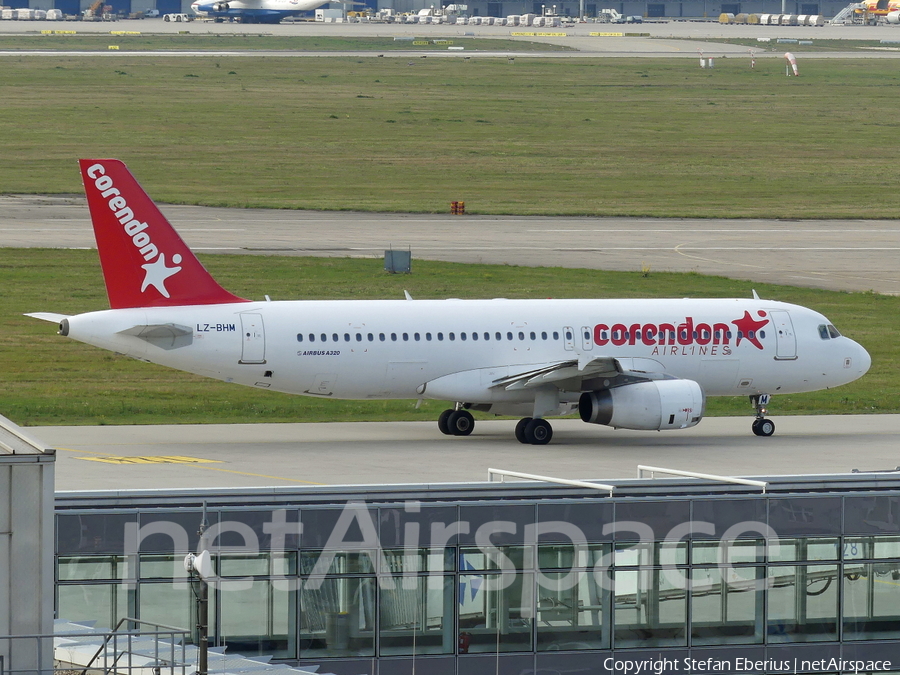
[{"x": 401, "y": 349}]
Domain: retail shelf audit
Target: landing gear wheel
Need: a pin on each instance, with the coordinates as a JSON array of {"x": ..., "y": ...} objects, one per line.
[
  {"x": 461, "y": 423},
  {"x": 444, "y": 422},
  {"x": 538, "y": 432},
  {"x": 763, "y": 427},
  {"x": 520, "y": 429}
]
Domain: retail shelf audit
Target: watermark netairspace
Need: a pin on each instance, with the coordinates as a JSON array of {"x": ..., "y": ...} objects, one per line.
[{"x": 742, "y": 665}]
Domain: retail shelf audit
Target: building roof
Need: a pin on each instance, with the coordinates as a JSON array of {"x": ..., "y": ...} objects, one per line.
[{"x": 14, "y": 441}]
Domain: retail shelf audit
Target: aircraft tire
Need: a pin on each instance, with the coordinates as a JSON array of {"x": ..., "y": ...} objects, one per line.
[
  {"x": 538, "y": 432},
  {"x": 520, "y": 429},
  {"x": 461, "y": 423},
  {"x": 444, "y": 422},
  {"x": 763, "y": 427}
]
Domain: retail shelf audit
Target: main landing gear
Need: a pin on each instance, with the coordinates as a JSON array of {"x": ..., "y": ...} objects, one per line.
[
  {"x": 761, "y": 425},
  {"x": 534, "y": 431},
  {"x": 459, "y": 422}
]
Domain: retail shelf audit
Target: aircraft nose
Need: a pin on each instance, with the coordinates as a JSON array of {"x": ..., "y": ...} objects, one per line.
[{"x": 862, "y": 361}]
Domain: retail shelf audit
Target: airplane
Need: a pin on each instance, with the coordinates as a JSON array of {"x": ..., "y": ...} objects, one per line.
[
  {"x": 643, "y": 364},
  {"x": 886, "y": 8},
  {"x": 254, "y": 11}
]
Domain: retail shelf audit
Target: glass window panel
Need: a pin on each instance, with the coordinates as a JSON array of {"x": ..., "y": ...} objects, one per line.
[
  {"x": 857, "y": 548},
  {"x": 257, "y": 618},
  {"x": 172, "y": 604},
  {"x": 569, "y": 612},
  {"x": 735, "y": 552},
  {"x": 886, "y": 547},
  {"x": 91, "y": 567},
  {"x": 790, "y": 550},
  {"x": 495, "y": 612},
  {"x": 417, "y": 616},
  {"x": 803, "y": 603},
  {"x": 650, "y": 608},
  {"x": 871, "y": 601},
  {"x": 337, "y": 617},
  {"x": 567, "y": 556},
  {"x": 337, "y": 562},
  {"x": 162, "y": 567},
  {"x": 92, "y": 532},
  {"x": 244, "y": 565},
  {"x": 727, "y": 605},
  {"x": 500, "y": 558},
  {"x": 103, "y": 603},
  {"x": 401, "y": 561},
  {"x": 654, "y": 553}
]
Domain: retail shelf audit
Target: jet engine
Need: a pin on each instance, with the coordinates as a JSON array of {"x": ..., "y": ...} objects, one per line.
[
  {"x": 893, "y": 17},
  {"x": 220, "y": 7},
  {"x": 654, "y": 405}
]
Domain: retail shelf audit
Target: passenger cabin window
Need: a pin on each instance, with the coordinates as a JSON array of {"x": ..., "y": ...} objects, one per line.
[
  {"x": 359, "y": 337},
  {"x": 299, "y": 337},
  {"x": 334, "y": 337},
  {"x": 555, "y": 335},
  {"x": 312, "y": 337},
  {"x": 509, "y": 335},
  {"x": 346, "y": 337}
]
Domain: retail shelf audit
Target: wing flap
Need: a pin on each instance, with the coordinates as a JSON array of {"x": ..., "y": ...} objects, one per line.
[{"x": 559, "y": 372}]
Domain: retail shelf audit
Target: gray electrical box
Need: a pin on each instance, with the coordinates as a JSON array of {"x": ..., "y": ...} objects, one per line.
[{"x": 397, "y": 262}]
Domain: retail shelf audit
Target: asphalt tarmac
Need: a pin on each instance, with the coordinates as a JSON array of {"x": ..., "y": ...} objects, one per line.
[
  {"x": 836, "y": 255},
  {"x": 675, "y": 38},
  {"x": 257, "y": 455}
]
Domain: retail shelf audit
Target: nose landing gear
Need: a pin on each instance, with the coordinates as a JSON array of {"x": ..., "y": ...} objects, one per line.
[{"x": 761, "y": 426}]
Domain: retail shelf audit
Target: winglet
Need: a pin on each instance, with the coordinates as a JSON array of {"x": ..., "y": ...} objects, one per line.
[{"x": 145, "y": 263}]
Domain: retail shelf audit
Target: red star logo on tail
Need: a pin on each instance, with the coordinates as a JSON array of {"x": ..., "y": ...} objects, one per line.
[{"x": 747, "y": 326}]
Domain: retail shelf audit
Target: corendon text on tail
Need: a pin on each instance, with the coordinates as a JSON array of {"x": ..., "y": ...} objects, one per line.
[{"x": 632, "y": 364}]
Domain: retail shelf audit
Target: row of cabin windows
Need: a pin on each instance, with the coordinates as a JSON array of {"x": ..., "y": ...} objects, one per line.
[
  {"x": 416, "y": 337},
  {"x": 486, "y": 336}
]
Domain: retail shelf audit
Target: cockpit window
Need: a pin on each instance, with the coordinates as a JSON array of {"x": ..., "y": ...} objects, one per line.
[{"x": 826, "y": 332}]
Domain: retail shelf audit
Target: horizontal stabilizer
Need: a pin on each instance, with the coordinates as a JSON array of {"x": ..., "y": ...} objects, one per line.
[
  {"x": 48, "y": 316},
  {"x": 164, "y": 336}
]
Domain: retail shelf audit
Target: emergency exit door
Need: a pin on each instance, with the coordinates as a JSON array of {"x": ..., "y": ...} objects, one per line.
[{"x": 254, "y": 339}]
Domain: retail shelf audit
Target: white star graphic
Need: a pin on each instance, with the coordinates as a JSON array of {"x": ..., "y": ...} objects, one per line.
[{"x": 157, "y": 273}]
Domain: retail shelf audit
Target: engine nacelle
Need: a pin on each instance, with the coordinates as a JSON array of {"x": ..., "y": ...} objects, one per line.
[
  {"x": 221, "y": 7},
  {"x": 654, "y": 405},
  {"x": 893, "y": 17}
]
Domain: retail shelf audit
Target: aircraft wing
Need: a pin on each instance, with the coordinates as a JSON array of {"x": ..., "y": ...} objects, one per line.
[{"x": 575, "y": 376}]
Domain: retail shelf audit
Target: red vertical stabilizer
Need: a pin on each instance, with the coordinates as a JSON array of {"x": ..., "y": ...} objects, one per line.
[{"x": 145, "y": 263}]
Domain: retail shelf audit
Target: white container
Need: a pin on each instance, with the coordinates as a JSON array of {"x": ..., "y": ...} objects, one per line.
[
  {"x": 512, "y": 20},
  {"x": 764, "y": 19},
  {"x": 817, "y": 20},
  {"x": 7, "y": 14},
  {"x": 24, "y": 14},
  {"x": 40, "y": 15},
  {"x": 54, "y": 15},
  {"x": 526, "y": 19}
]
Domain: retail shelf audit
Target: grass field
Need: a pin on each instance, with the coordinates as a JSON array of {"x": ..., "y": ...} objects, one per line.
[
  {"x": 48, "y": 379},
  {"x": 536, "y": 136}
]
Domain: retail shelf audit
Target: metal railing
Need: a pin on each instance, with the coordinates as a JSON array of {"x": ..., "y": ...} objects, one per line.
[{"x": 157, "y": 649}]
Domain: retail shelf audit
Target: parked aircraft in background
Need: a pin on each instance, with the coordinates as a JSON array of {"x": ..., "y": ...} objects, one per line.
[
  {"x": 254, "y": 11},
  {"x": 881, "y": 8},
  {"x": 633, "y": 364}
]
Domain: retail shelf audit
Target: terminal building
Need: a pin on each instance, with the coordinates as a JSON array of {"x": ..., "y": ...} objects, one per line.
[{"x": 778, "y": 574}]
